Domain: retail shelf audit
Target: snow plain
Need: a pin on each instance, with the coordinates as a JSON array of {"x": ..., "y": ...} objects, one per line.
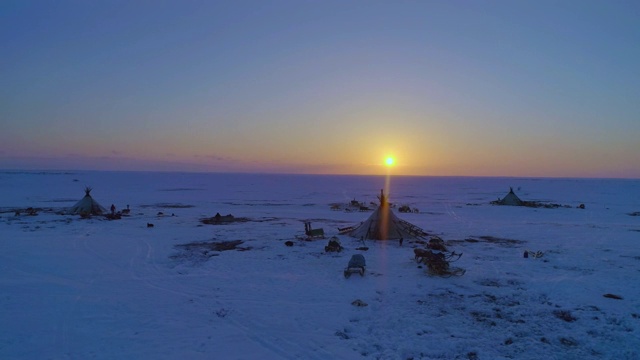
[{"x": 74, "y": 288}]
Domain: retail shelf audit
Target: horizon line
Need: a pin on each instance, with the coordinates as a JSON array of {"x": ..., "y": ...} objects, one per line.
[{"x": 73, "y": 171}]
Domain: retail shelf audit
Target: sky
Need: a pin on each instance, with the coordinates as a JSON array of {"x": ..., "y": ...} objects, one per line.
[{"x": 447, "y": 88}]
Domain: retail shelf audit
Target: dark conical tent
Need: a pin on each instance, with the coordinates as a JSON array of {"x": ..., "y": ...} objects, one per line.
[
  {"x": 87, "y": 205},
  {"x": 511, "y": 199},
  {"x": 383, "y": 224}
]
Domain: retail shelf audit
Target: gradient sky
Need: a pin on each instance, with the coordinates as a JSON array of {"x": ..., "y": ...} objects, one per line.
[{"x": 478, "y": 88}]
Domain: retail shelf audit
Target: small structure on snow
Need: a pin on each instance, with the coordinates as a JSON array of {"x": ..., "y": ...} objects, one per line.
[
  {"x": 87, "y": 206},
  {"x": 222, "y": 219},
  {"x": 313, "y": 233},
  {"x": 357, "y": 264},
  {"x": 383, "y": 224},
  {"x": 510, "y": 199},
  {"x": 333, "y": 245},
  {"x": 407, "y": 209}
]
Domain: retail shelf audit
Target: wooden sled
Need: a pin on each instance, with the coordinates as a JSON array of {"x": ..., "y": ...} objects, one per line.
[
  {"x": 357, "y": 264},
  {"x": 345, "y": 230}
]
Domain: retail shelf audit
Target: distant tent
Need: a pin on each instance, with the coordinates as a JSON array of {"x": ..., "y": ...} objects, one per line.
[
  {"x": 511, "y": 199},
  {"x": 86, "y": 206},
  {"x": 383, "y": 224}
]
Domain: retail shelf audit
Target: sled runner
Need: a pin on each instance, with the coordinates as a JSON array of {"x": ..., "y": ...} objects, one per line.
[{"x": 533, "y": 254}]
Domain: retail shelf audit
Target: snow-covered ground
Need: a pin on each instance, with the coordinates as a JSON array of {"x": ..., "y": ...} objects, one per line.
[{"x": 74, "y": 288}]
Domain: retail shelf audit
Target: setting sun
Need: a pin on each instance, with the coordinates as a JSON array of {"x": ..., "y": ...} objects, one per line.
[{"x": 389, "y": 161}]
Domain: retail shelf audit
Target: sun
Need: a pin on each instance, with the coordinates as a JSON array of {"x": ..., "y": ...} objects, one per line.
[{"x": 389, "y": 161}]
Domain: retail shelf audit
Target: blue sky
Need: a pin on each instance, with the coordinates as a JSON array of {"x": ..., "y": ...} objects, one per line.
[{"x": 505, "y": 88}]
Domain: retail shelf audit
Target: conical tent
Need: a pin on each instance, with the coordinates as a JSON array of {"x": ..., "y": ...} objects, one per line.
[
  {"x": 87, "y": 205},
  {"x": 511, "y": 199},
  {"x": 383, "y": 224}
]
